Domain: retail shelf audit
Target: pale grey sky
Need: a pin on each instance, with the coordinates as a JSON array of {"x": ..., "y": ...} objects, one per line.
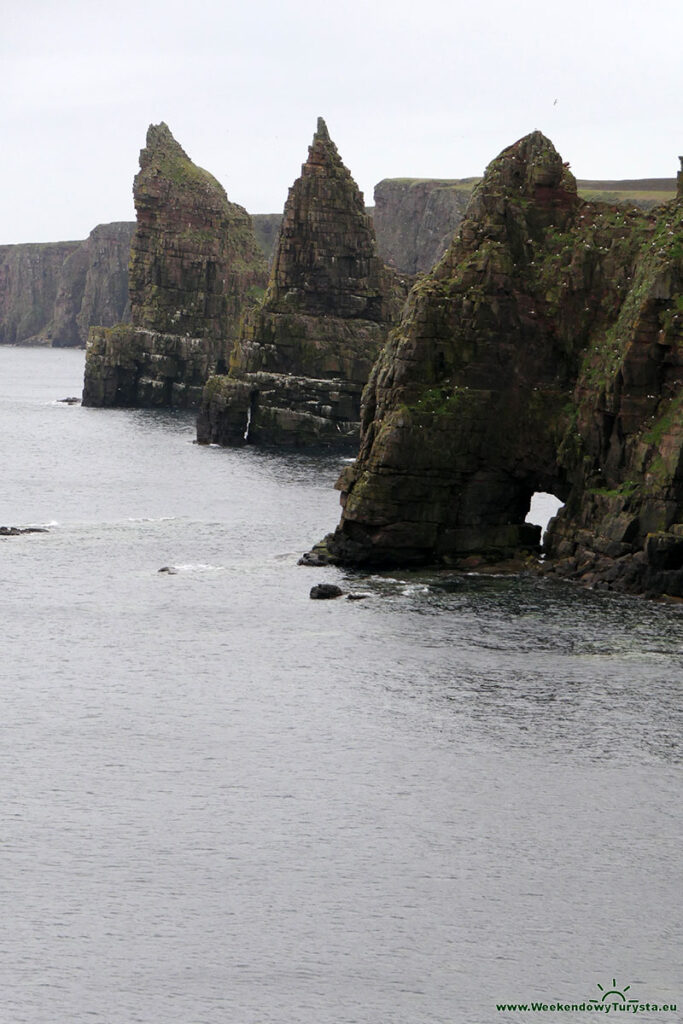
[{"x": 409, "y": 88}]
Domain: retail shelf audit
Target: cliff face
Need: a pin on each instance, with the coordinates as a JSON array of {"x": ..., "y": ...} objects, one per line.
[
  {"x": 323, "y": 319},
  {"x": 93, "y": 287},
  {"x": 622, "y": 525},
  {"x": 51, "y": 294},
  {"x": 29, "y": 281},
  {"x": 194, "y": 266},
  {"x": 416, "y": 219},
  {"x": 541, "y": 354}
]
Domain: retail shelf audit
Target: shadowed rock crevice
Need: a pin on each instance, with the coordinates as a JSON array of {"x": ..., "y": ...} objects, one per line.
[{"x": 541, "y": 354}]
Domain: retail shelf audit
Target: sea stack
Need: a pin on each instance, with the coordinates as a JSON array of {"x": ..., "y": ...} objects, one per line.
[
  {"x": 195, "y": 265},
  {"x": 302, "y": 358},
  {"x": 543, "y": 353}
]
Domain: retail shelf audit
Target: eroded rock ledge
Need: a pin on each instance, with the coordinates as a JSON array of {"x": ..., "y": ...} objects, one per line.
[
  {"x": 303, "y": 356},
  {"x": 543, "y": 353},
  {"x": 195, "y": 265}
]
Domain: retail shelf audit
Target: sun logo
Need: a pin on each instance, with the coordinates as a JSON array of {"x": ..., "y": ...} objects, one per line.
[{"x": 613, "y": 994}]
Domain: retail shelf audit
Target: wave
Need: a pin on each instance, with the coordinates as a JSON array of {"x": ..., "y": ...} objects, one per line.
[
  {"x": 151, "y": 519},
  {"x": 191, "y": 567}
]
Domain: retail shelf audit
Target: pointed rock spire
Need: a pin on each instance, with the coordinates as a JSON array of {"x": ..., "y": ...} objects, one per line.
[
  {"x": 302, "y": 358},
  {"x": 326, "y": 262}
]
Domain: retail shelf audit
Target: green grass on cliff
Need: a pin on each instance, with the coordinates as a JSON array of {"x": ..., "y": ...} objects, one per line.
[
  {"x": 184, "y": 173},
  {"x": 647, "y": 199}
]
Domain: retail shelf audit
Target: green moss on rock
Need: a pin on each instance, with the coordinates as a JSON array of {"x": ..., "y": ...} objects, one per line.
[{"x": 543, "y": 353}]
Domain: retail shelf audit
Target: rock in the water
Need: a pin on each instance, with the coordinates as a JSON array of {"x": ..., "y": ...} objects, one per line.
[
  {"x": 543, "y": 353},
  {"x": 195, "y": 265},
  {"x": 170, "y": 569},
  {"x": 315, "y": 558},
  {"x": 302, "y": 358},
  {"x": 325, "y": 591},
  {"x": 70, "y": 401}
]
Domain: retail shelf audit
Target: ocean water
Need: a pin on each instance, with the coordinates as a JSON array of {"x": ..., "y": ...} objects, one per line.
[{"x": 224, "y": 803}]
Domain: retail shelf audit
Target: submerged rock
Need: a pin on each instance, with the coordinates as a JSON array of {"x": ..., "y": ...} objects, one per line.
[
  {"x": 543, "y": 353},
  {"x": 195, "y": 265},
  {"x": 302, "y": 358}
]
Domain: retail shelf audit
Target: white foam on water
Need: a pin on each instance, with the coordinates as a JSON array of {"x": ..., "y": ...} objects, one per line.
[{"x": 151, "y": 519}]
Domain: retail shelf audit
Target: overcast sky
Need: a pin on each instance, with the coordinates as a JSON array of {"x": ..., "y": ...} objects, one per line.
[{"x": 409, "y": 88}]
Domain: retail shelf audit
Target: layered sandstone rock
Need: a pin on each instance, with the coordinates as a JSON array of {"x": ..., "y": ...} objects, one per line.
[
  {"x": 541, "y": 354},
  {"x": 297, "y": 370},
  {"x": 195, "y": 265}
]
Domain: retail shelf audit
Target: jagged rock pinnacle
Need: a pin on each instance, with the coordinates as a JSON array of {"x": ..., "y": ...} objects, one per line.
[
  {"x": 160, "y": 137},
  {"x": 323, "y": 151}
]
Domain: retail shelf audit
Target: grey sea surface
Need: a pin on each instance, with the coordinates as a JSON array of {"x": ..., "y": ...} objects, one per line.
[{"x": 224, "y": 802}]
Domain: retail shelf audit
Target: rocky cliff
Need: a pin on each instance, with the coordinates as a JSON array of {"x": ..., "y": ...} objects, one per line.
[
  {"x": 93, "y": 286},
  {"x": 195, "y": 265},
  {"x": 297, "y": 370},
  {"x": 30, "y": 277},
  {"x": 51, "y": 294},
  {"x": 543, "y": 353},
  {"x": 415, "y": 219}
]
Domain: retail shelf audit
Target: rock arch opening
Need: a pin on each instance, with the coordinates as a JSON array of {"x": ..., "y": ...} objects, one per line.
[{"x": 542, "y": 508}]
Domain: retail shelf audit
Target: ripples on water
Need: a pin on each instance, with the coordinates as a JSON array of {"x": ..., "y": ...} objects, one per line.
[{"x": 223, "y": 802}]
